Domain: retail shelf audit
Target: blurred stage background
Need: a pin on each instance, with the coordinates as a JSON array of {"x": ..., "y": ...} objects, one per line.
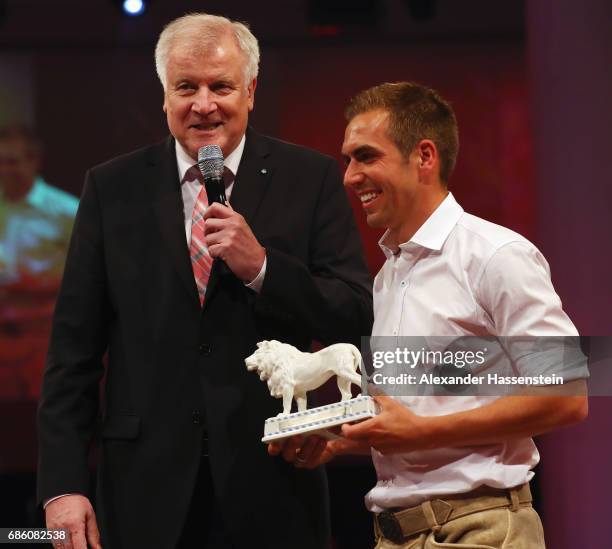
[{"x": 531, "y": 85}]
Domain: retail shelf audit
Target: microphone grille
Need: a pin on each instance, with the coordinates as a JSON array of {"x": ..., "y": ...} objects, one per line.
[{"x": 210, "y": 161}]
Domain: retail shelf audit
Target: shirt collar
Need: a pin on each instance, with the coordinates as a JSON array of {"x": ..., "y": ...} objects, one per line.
[
  {"x": 433, "y": 233},
  {"x": 184, "y": 161}
]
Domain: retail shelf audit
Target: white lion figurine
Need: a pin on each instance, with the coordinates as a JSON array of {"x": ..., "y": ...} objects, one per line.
[{"x": 290, "y": 373}]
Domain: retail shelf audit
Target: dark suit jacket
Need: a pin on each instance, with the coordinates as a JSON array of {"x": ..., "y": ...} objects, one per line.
[{"x": 175, "y": 370}]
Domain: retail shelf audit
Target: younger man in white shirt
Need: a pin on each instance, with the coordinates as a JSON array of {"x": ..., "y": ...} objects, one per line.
[{"x": 451, "y": 470}]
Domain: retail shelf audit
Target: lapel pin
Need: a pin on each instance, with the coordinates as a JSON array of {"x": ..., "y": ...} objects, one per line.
[{"x": 264, "y": 171}]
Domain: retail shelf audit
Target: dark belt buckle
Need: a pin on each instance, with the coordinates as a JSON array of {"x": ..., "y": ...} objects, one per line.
[{"x": 390, "y": 527}]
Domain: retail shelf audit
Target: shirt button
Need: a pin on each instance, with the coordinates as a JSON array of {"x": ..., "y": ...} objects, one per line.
[
  {"x": 205, "y": 348},
  {"x": 196, "y": 417},
  {"x": 403, "y": 284}
]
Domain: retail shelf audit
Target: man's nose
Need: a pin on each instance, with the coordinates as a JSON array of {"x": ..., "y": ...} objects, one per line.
[
  {"x": 204, "y": 102},
  {"x": 352, "y": 176}
]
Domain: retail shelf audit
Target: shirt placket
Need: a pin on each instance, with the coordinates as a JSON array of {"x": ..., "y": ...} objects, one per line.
[{"x": 404, "y": 266}]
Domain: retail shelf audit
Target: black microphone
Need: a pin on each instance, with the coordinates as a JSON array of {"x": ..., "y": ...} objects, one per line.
[{"x": 210, "y": 163}]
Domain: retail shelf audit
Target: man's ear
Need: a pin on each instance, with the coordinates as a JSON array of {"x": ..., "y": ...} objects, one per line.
[
  {"x": 428, "y": 154},
  {"x": 428, "y": 160}
]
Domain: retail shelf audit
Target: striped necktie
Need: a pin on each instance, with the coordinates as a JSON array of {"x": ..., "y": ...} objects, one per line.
[{"x": 201, "y": 262}]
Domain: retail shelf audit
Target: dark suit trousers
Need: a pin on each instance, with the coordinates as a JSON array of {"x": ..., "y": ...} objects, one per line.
[{"x": 204, "y": 527}]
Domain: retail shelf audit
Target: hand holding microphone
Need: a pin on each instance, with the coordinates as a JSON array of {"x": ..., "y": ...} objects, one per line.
[{"x": 228, "y": 236}]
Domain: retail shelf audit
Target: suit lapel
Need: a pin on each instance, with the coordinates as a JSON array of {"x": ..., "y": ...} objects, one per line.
[
  {"x": 250, "y": 186},
  {"x": 168, "y": 207},
  {"x": 254, "y": 173}
]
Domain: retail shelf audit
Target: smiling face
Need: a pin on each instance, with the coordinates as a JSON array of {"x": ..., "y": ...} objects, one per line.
[
  {"x": 386, "y": 182},
  {"x": 207, "y": 101}
]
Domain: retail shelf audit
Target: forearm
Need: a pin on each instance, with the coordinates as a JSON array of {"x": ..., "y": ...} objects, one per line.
[
  {"x": 507, "y": 418},
  {"x": 397, "y": 429}
]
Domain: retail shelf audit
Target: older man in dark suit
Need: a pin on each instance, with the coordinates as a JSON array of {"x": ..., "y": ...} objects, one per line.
[{"x": 180, "y": 461}]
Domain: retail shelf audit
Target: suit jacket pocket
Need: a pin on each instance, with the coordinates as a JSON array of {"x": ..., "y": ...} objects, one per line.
[{"x": 121, "y": 427}]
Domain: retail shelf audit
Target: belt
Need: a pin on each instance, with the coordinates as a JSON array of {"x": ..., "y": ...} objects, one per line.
[{"x": 396, "y": 526}]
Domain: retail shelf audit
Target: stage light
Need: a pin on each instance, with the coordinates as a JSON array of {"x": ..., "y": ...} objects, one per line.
[
  {"x": 131, "y": 8},
  {"x": 134, "y": 7}
]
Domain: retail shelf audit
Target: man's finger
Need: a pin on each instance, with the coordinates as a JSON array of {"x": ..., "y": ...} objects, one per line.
[
  {"x": 342, "y": 445},
  {"x": 305, "y": 452},
  {"x": 77, "y": 538},
  {"x": 291, "y": 447},
  {"x": 275, "y": 448},
  {"x": 217, "y": 251},
  {"x": 213, "y": 237},
  {"x": 315, "y": 458},
  {"x": 93, "y": 534},
  {"x": 63, "y": 544},
  {"x": 359, "y": 431},
  {"x": 218, "y": 210},
  {"x": 384, "y": 401},
  {"x": 214, "y": 225}
]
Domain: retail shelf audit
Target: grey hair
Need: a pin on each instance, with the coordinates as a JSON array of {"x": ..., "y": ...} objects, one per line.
[{"x": 201, "y": 31}]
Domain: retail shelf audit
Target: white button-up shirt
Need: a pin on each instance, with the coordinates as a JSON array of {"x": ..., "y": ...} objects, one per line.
[{"x": 460, "y": 275}]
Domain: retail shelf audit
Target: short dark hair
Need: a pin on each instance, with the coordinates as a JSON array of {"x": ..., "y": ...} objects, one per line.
[
  {"x": 25, "y": 134},
  {"x": 416, "y": 112}
]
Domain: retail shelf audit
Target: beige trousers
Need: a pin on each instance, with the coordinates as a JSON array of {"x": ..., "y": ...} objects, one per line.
[{"x": 493, "y": 529}]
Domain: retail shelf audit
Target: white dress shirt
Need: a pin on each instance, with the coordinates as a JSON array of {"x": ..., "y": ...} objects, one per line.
[{"x": 460, "y": 275}]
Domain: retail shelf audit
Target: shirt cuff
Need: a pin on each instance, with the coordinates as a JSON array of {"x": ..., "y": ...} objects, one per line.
[
  {"x": 257, "y": 282},
  {"x": 56, "y": 497}
]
